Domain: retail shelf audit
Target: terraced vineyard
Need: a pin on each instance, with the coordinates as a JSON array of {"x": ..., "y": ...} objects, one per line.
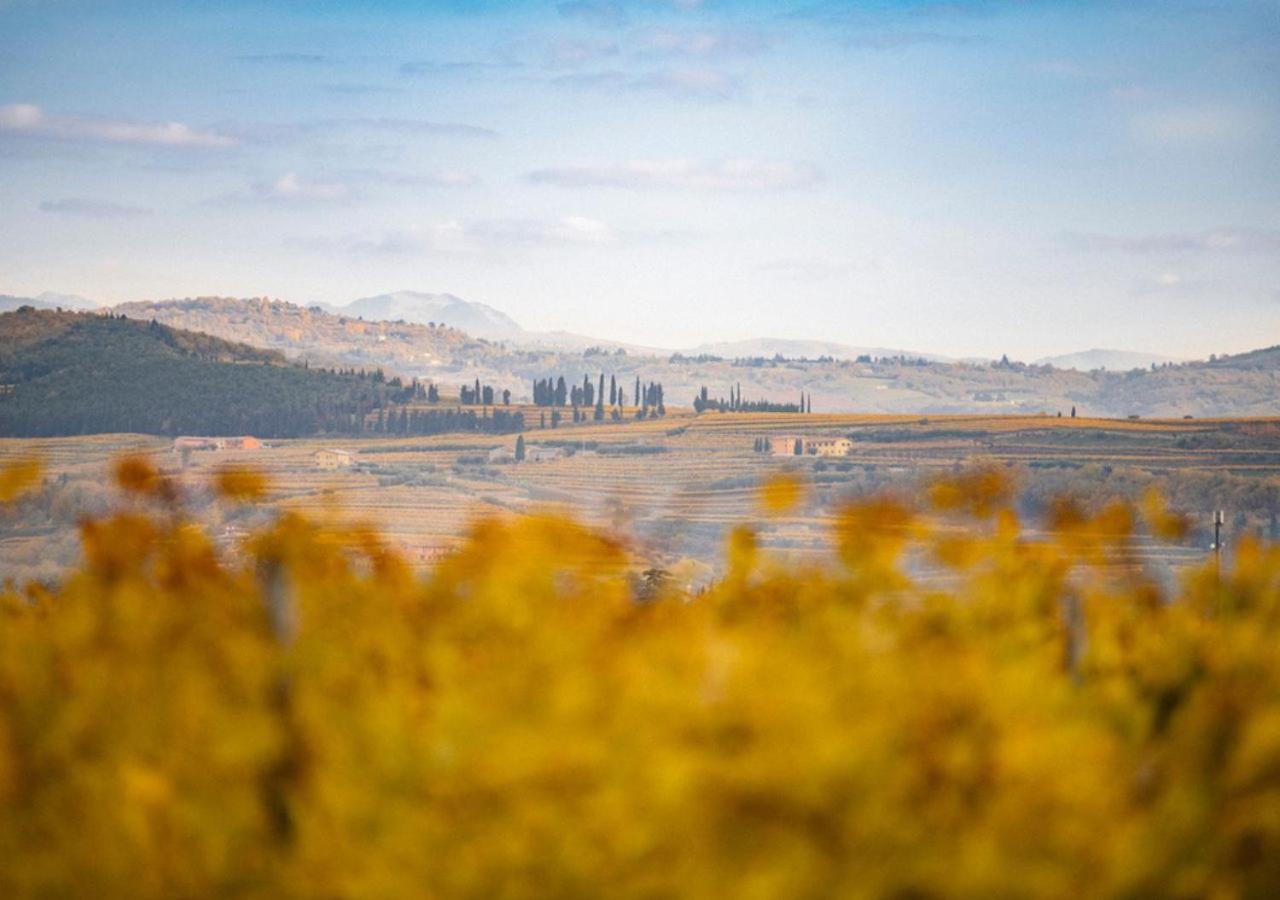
[{"x": 671, "y": 487}]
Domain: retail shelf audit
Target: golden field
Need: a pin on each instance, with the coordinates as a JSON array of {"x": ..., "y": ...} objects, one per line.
[{"x": 672, "y": 487}]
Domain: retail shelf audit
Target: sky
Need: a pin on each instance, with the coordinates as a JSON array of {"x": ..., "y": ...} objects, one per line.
[{"x": 967, "y": 178}]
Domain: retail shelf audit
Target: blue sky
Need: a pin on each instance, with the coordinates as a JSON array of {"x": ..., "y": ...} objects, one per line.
[{"x": 967, "y": 178}]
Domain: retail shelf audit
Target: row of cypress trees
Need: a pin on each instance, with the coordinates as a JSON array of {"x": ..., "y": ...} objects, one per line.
[{"x": 704, "y": 402}]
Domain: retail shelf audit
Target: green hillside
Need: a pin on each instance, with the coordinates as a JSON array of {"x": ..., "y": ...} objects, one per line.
[{"x": 64, "y": 373}]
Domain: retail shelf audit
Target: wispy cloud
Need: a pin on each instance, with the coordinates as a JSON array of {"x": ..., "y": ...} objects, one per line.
[
  {"x": 344, "y": 188},
  {"x": 604, "y": 13},
  {"x": 291, "y": 189},
  {"x": 1219, "y": 240},
  {"x": 706, "y": 84},
  {"x": 703, "y": 43},
  {"x": 568, "y": 230},
  {"x": 900, "y": 24},
  {"x": 448, "y": 178},
  {"x": 284, "y": 132},
  {"x": 842, "y": 12},
  {"x": 419, "y": 67},
  {"x": 409, "y": 127},
  {"x": 473, "y": 237},
  {"x": 570, "y": 52},
  {"x": 897, "y": 40},
  {"x": 1174, "y": 284},
  {"x": 29, "y": 120},
  {"x": 685, "y": 175},
  {"x": 93, "y": 209},
  {"x": 681, "y": 83}
]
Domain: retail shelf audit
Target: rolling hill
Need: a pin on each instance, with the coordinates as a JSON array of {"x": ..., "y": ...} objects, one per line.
[
  {"x": 315, "y": 335},
  {"x": 1267, "y": 358},
  {"x": 1245, "y": 384},
  {"x": 65, "y": 373}
]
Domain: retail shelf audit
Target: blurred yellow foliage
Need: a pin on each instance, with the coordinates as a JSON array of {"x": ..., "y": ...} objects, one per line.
[
  {"x": 240, "y": 483},
  {"x": 305, "y": 717},
  {"x": 781, "y": 493},
  {"x": 16, "y": 478}
]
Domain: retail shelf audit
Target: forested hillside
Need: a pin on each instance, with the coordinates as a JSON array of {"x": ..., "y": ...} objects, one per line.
[{"x": 78, "y": 373}]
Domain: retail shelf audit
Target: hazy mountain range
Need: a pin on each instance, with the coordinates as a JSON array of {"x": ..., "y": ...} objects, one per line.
[
  {"x": 48, "y": 300},
  {"x": 484, "y": 321},
  {"x": 476, "y": 319},
  {"x": 1245, "y": 384},
  {"x": 1111, "y": 360},
  {"x": 480, "y": 320}
]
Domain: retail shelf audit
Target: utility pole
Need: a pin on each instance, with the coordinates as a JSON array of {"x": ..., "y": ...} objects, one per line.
[{"x": 1218, "y": 519}]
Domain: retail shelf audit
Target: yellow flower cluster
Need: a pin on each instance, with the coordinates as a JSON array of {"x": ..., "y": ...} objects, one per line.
[{"x": 951, "y": 709}]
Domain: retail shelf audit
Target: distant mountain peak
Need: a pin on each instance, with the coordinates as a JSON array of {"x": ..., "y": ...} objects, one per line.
[
  {"x": 1112, "y": 360},
  {"x": 48, "y": 300},
  {"x": 476, "y": 319},
  {"x": 66, "y": 301}
]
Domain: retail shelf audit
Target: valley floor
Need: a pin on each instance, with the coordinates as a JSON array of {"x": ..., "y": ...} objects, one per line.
[{"x": 672, "y": 487}]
